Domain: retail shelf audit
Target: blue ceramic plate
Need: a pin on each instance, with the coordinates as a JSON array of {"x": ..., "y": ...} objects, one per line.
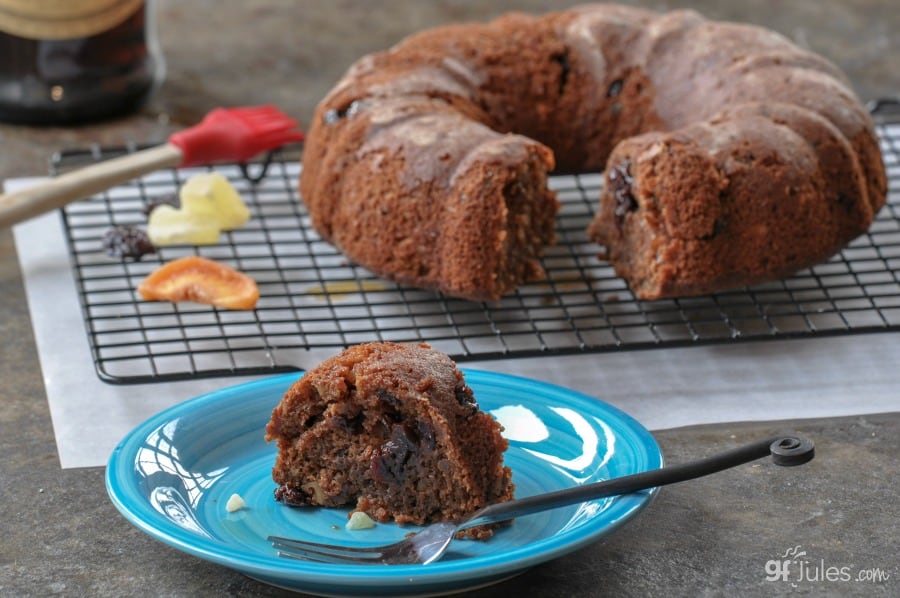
[{"x": 172, "y": 476}]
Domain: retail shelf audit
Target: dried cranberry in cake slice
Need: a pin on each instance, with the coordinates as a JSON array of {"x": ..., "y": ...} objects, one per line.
[
  {"x": 392, "y": 430},
  {"x": 660, "y": 208}
]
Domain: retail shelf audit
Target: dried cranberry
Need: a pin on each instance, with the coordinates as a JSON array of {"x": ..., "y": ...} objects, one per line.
[
  {"x": 615, "y": 88},
  {"x": 464, "y": 396},
  {"x": 621, "y": 180},
  {"x": 291, "y": 496},
  {"x": 127, "y": 241},
  {"x": 334, "y": 115},
  {"x": 353, "y": 426},
  {"x": 565, "y": 69},
  {"x": 389, "y": 403},
  {"x": 427, "y": 437},
  {"x": 847, "y": 202},
  {"x": 388, "y": 463}
]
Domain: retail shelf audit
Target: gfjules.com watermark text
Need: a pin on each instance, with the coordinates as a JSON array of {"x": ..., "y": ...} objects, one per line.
[{"x": 796, "y": 567}]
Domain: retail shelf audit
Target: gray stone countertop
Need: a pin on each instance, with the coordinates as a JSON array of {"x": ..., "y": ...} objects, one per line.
[{"x": 62, "y": 536}]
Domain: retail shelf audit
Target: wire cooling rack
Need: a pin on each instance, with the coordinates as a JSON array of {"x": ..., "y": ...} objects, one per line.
[{"x": 312, "y": 298}]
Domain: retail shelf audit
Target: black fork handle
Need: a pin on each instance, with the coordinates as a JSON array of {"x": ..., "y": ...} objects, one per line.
[{"x": 785, "y": 450}]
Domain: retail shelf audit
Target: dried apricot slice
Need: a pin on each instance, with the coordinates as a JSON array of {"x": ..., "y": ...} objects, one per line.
[{"x": 201, "y": 280}]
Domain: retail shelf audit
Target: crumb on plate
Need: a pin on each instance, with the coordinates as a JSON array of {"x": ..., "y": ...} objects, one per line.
[
  {"x": 359, "y": 520},
  {"x": 235, "y": 503}
]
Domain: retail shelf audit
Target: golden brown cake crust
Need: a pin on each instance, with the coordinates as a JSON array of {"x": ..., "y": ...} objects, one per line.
[
  {"x": 392, "y": 430},
  {"x": 427, "y": 163}
]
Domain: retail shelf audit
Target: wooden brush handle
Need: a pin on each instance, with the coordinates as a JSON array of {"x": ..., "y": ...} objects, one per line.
[{"x": 58, "y": 191}]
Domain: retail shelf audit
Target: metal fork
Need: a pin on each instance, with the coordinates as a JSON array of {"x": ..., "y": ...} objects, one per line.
[{"x": 430, "y": 544}]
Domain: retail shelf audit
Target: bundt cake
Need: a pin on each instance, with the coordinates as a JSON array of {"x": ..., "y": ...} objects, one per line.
[
  {"x": 731, "y": 156},
  {"x": 392, "y": 430}
]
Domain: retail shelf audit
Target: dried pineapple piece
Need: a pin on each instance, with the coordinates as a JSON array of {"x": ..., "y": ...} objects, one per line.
[
  {"x": 214, "y": 189},
  {"x": 173, "y": 226},
  {"x": 209, "y": 205}
]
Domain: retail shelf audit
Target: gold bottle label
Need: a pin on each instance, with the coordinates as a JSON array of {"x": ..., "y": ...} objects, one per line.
[{"x": 63, "y": 19}]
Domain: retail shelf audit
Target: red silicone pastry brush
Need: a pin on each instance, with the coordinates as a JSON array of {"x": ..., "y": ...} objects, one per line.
[{"x": 225, "y": 134}]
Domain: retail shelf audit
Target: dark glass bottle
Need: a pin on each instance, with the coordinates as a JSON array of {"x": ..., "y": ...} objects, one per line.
[{"x": 79, "y": 79}]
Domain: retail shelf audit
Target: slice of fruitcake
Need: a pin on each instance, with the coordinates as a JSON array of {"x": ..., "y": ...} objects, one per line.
[{"x": 393, "y": 430}]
